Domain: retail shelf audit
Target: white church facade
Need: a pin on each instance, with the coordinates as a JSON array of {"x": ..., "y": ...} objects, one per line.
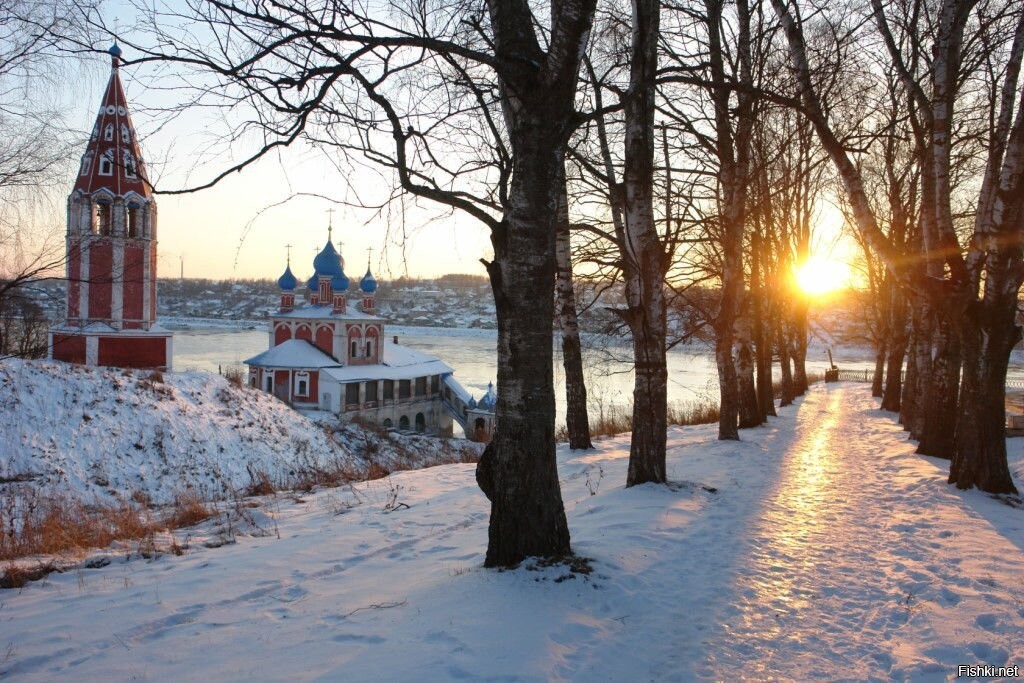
[{"x": 331, "y": 353}]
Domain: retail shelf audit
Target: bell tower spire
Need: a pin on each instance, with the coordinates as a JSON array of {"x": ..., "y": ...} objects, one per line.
[{"x": 111, "y": 247}]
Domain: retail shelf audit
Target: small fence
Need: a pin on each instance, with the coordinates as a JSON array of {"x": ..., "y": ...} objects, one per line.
[{"x": 868, "y": 376}]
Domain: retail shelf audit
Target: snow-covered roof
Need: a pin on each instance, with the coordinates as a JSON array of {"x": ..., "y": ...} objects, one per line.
[
  {"x": 400, "y": 362},
  {"x": 294, "y": 353},
  {"x": 321, "y": 311},
  {"x": 98, "y": 327}
]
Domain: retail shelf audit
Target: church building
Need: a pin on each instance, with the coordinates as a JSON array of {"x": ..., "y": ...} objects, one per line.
[
  {"x": 111, "y": 249},
  {"x": 331, "y": 353}
]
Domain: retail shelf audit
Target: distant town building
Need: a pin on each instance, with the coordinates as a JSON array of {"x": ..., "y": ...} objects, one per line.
[
  {"x": 110, "y": 314},
  {"x": 331, "y": 353}
]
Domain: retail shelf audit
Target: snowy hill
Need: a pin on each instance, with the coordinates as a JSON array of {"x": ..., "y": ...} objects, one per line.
[
  {"x": 818, "y": 548},
  {"x": 111, "y": 432}
]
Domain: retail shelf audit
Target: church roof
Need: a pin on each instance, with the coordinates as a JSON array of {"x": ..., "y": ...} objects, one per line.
[
  {"x": 325, "y": 311},
  {"x": 294, "y": 353},
  {"x": 112, "y": 158},
  {"x": 399, "y": 362}
]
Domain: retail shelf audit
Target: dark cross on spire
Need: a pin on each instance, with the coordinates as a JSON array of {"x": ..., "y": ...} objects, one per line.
[
  {"x": 330, "y": 221},
  {"x": 288, "y": 247},
  {"x": 369, "y": 257}
]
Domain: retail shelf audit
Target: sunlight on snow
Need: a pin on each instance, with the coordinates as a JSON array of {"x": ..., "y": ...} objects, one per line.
[{"x": 794, "y": 524}]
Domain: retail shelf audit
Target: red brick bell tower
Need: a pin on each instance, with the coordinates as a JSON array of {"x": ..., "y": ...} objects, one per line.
[{"x": 111, "y": 249}]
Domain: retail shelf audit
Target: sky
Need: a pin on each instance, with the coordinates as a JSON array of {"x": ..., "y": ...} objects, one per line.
[{"x": 241, "y": 227}]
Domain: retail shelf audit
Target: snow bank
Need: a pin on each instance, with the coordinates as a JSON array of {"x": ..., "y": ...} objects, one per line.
[
  {"x": 818, "y": 548},
  {"x": 112, "y": 432}
]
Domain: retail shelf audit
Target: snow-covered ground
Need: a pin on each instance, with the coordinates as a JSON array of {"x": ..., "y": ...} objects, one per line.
[
  {"x": 104, "y": 432},
  {"x": 819, "y": 547}
]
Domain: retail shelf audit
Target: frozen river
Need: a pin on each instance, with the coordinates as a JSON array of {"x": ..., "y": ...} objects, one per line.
[{"x": 471, "y": 353}]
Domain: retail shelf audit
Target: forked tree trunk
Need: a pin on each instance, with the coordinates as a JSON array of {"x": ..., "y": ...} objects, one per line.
[
  {"x": 518, "y": 471},
  {"x": 577, "y": 422},
  {"x": 989, "y": 334}
]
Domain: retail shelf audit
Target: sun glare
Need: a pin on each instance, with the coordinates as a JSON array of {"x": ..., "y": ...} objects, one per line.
[{"x": 820, "y": 275}]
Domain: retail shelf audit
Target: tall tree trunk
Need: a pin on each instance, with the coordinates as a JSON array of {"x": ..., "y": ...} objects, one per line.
[
  {"x": 879, "y": 375},
  {"x": 749, "y": 412},
  {"x": 798, "y": 348},
  {"x": 537, "y": 88},
  {"x": 786, "y": 369},
  {"x": 519, "y": 473},
  {"x": 989, "y": 334},
  {"x": 762, "y": 343},
  {"x": 896, "y": 350},
  {"x": 732, "y": 148},
  {"x": 577, "y": 421},
  {"x": 940, "y": 409},
  {"x": 644, "y": 260}
]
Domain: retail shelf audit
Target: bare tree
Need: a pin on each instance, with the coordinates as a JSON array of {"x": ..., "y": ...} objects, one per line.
[
  {"x": 404, "y": 86},
  {"x": 982, "y": 329}
]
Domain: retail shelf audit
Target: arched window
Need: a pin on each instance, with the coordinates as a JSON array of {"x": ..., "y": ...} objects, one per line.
[
  {"x": 103, "y": 222},
  {"x": 421, "y": 423},
  {"x": 403, "y": 422},
  {"x": 107, "y": 163},
  {"x": 126, "y": 135},
  {"x": 355, "y": 349},
  {"x": 129, "y": 164},
  {"x": 108, "y": 132},
  {"x": 369, "y": 348},
  {"x": 134, "y": 221},
  {"x": 387, "y": 423},
  {"x": 86, "y": 163}
]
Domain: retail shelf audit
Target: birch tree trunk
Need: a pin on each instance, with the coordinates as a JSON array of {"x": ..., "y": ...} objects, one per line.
[
  {"x": 577, "y": 421},
  {"x": 733, "y": 150},
  {"x": 644, "y": 259}
]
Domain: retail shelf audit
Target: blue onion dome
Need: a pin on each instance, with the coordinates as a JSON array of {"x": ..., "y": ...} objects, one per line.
[
  {"x": 489, "y": 400},
  {"x": 369, "y": 283},
  {"x": 313, "y": 283},
  {"x": 287, "y": 282},
  {"x": 339, "y": 283},
  {"x": 115, "y": 50},
  {"x": 328, "y": 262}
]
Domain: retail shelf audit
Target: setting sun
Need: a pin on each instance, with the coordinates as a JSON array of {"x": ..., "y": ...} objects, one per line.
[{"x": 821, "y": 275}]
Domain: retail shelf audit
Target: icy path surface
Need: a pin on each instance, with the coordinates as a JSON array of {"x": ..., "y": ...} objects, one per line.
[
  {"x": 859, "y": 565},
  {"x": 819, "y": 547}
]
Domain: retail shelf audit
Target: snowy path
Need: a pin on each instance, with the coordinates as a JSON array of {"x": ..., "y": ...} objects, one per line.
[
  {"x": 819, "y": 547},
  {"x": 858, "y": 554}
]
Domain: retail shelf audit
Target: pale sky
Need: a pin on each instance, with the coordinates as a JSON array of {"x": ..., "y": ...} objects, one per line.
[{"x": 239, "y": 228}]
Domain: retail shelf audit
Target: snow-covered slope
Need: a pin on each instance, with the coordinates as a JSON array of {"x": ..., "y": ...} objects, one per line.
[
  {"x": 818, "y": 548},
  {"x": 111, "y": 432}
]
